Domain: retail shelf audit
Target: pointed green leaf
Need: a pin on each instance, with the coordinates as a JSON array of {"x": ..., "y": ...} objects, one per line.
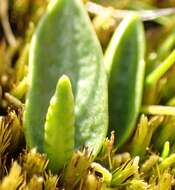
[
  {"x": 59, "y": 125},
  {"x": 124, "y": 60},
  {"x": 66, "y": 43}
]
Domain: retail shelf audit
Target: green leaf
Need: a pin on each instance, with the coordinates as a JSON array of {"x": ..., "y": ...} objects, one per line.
[
  {"x": 124, "y": 60},
  {"x": 59, "y": 125},
  {"x": 65, "y": 43}
]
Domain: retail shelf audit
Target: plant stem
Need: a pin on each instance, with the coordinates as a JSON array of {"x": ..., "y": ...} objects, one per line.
[
  {"x": 5, "y": 22},
  {"x": 158, "y": 110},
  {"x": 156, "y": 74},
  {"x": 116, "y": 13}
]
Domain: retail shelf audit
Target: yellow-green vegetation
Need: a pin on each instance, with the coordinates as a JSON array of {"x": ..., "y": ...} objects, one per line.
[{"x": 145, "y": 159}]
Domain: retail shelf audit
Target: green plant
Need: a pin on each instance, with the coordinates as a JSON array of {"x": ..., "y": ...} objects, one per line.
[
  {"x": 74, "y": 51},
  {"x": 142, "y": 155},
  {"x": 53, "y": 54}
]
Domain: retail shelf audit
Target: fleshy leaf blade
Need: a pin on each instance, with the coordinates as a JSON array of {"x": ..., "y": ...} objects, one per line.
[
  {"x": 66, "y": 43},
  {"x": 124, "y": 61}
]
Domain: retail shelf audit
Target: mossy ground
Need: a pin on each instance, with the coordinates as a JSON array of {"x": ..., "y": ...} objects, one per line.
[{"x": 146, "y": 161}]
